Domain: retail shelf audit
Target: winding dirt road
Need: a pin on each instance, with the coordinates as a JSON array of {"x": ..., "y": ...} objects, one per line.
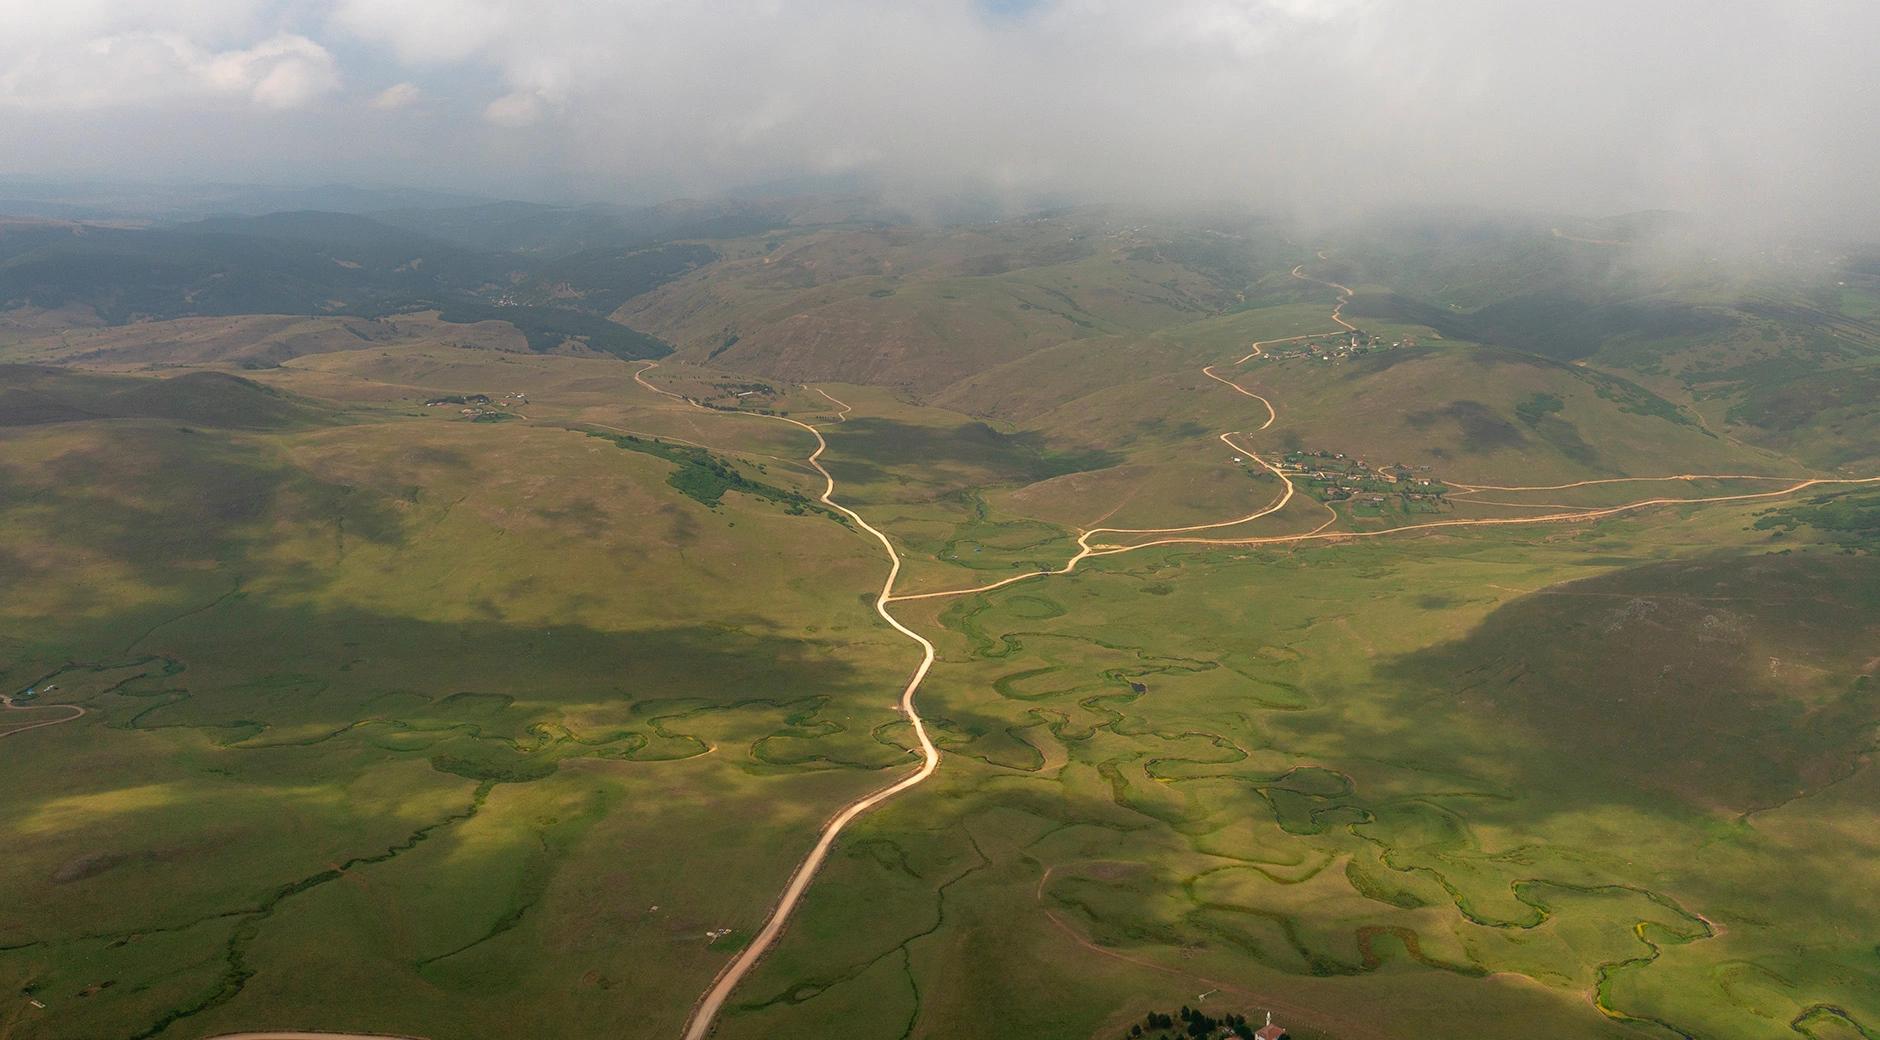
[
  {"x": 705, "y": 1013},
  {"x": 1085, "y": 550},
  {"x": 1567, "y": 514},
  {"x": 1615, "y": 480},
  {"x": 7, "y": 701},
  {"x": 1338, "y": 309}
]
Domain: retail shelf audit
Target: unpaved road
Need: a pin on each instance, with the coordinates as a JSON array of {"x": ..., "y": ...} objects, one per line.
[
  {"x": 7, "y": 701},
  {"x": 1085, "y": 550},
  {"x": 705, "y": 1013},
  {"x": 1565, "y": 514}
]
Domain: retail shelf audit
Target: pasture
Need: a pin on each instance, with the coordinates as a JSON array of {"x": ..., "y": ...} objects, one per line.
[{"x": 399, "y": 721}]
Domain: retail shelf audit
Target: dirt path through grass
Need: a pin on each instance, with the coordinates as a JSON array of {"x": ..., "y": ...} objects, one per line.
[
  {"x": 705, "y": 1013},
  {"x": 1567, "y": 514},
  {"x": 7, "y": 700}
]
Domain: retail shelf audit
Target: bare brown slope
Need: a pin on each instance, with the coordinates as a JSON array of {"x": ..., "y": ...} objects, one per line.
[{"x": 919, "y": 309}]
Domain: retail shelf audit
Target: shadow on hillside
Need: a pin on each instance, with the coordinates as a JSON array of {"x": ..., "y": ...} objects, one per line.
[
  {"x": 165, "y": 503},
  {"x": 973, "y": 448},
  {"x": 1730, "y": 682}
]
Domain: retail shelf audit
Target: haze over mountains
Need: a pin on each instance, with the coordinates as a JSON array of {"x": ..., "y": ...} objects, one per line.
[
  {"x": 1752, "y": 113},
  {"x": 1625, "y": 289}
]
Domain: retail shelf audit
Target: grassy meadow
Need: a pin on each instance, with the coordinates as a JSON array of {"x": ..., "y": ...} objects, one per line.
[
  {"x": 387, "y": 699},
  {"x": 1377, "y": 788},
  {"x": 439, "y": 684}
]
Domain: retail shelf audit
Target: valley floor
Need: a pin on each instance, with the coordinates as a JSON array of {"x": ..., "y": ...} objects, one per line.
[{"x": 383, "y": 719}]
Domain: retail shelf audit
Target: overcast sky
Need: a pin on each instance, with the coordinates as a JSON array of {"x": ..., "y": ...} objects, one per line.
[{"x": 1765, "y": 107}]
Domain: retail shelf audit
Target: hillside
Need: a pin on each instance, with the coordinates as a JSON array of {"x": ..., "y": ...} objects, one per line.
[
  {"x": 32, "y": 395},
  {"x": 1003, "y": 629},
  {"x": 920, "y": 309},
  {"x": 318, "y": 263},
  {"x": 1750, "y": 338}
]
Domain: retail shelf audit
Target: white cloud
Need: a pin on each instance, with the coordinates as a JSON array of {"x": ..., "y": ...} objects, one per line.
[
  {"x": 398, "y": 95},
  {"x": 1599, "y": 104},
  {"x": 284, "y": 71},
  {"x": 430, "y": 31},
  {"x": 76, "y": 69},
  {"x": 1201, "y": 28},
  {"x": 519, "y": 108}
]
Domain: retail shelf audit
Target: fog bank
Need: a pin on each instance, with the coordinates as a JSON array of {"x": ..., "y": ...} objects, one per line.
[{"x": 1755, "y": 111}]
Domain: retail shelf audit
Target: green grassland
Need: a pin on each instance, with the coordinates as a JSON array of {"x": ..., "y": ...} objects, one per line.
[
  {"x": 402, "y": 722},
  {"x": 1774, "y": 348},
  {"x": 429, "y": 690},
  {"x": 1446, "y": 778}
]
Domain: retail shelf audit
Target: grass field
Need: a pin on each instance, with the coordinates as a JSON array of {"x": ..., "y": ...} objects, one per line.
[
  {"x": 402, "y": 722},
  {"x": 430, "y": 689},
  {"x": 1377, "y": 799}
]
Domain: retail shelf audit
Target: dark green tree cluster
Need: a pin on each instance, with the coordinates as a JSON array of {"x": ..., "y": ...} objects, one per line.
[
  {"x": 1157, "y": 1025},
  {"x": 1850, "y": 518},
  {"x": 705, "y": 477},
  {"x": 1537, "y": 406}
]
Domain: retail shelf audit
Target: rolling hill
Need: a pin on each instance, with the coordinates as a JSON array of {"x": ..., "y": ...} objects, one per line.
[{"x": 464, "y": 622}]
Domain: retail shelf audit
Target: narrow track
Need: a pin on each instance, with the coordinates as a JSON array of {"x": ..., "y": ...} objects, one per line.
[
  {"x": 705, "y": 1012},
  {"x": 1566, "y": 514},
  {"x": 6, "y": 700}
]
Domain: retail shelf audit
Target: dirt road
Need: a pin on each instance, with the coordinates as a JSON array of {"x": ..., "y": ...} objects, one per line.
[
  {"x": 1344, "y": 296},
  {"x": 1086, "y": 551},
  {"x": 705, "y": 1013},
  {"x": 7, "y": 701}
]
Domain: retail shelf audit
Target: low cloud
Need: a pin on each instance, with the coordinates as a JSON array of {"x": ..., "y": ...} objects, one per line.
[
  {"x": 396, "y": 96},
  {"x": 516, "y": 109},
  {"x": 284, "y": 71},
  {"x": 163, "y": 68},
  {"x": 1755, "y": 106}
]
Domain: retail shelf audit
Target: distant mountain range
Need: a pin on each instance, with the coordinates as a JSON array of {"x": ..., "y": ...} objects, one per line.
[{"x": 554, "y": 273}]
